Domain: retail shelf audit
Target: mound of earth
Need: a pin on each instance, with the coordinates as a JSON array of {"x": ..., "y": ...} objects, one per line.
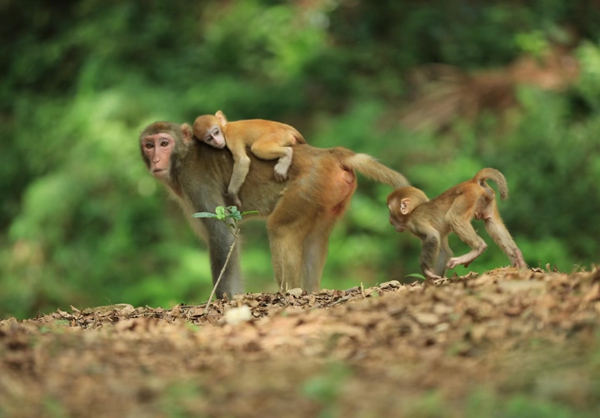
[{"x": 504, "y": 343}]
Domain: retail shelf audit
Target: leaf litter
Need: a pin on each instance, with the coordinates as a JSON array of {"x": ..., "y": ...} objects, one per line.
[{"x": 355, "y": 352}]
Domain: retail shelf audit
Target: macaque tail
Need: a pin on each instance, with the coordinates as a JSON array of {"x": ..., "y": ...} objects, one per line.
[
  {"x": 299, "y": 138},
  {"x": 371, "y": 168},
  {"x": 498, "y": 177}
]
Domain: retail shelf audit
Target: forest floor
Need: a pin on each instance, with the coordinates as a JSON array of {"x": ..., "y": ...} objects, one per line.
[{"x": 504, "y": 343}]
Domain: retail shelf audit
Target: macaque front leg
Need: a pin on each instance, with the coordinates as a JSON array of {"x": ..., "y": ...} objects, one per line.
[
  {"x": 468, "y": 258},
  {"x": 429, "y": 253},
  {"x": 240, "y": 171},
  {"x": 219, "y": 244},
  {"x": 459, "y": 219},
  {"x": 217, "y": 235}
]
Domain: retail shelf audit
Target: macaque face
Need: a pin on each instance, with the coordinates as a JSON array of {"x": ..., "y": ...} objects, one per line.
[
  {"x": 157, "y": 150},
  {"x": 214, "y": 137},
  {"x": 400, "y": 227},
  {"x": 394, "y": 221}
]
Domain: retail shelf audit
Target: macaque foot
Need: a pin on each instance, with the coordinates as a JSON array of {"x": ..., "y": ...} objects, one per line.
[
  {"x": 517, "y": 260},
  {"x": 283, "y": 165},
  {"x": 429, "y": 274},
  {"x": 281, "y": 171}
]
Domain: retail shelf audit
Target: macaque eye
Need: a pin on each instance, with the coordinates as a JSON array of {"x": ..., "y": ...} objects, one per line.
[
  {"x": 164, "y": 143},
  {"x": 216, "y": 132},
  {"x": 149, "y": 145}
]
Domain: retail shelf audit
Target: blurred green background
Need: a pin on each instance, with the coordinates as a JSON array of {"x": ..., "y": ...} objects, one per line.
[{"x": 434, "y": 89}]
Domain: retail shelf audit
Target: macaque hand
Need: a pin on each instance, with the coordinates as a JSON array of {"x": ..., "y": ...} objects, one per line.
[
  {"x": 235, "y": 199},
  {"x": 453, "y": 262},
  {"x": 457, "y": 261}
]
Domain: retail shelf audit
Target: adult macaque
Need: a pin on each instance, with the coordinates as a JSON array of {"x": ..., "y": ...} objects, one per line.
[
  {"x": 453, "y": 210},
  {"x": 301, "y": 211},
  {"x": 267, "y": 140}
]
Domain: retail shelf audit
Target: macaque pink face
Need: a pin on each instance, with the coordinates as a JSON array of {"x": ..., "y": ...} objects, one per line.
[
  {"x": 214, "y": 137},
  {"x": 157, "y": 149}
]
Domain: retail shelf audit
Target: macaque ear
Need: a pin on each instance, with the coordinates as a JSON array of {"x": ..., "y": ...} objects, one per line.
[
  {"x": 405, "y": 207},
  {"x": 186, "y": 131},
  {"x": 221, "y": 116}
]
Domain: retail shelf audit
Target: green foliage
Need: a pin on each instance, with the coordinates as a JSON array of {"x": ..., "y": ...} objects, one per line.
[
  {"x": 83, "y": 223},
  {"x": 484, "y": 403},
  {"x": 326, "y": 387},
  {"x": 180, "y": 399},
  {"x": 230, "y": 216},
  {"x": 416, "y": 275}
]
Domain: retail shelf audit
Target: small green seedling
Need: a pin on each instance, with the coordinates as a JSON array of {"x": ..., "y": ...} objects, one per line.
[
  {"x": 416, "y": 275},
  {"x": 230, "y": 216}
]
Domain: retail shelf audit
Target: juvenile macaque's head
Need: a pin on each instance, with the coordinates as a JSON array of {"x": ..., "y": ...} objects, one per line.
[
  {"x": 401, "y": 202},
  {"x": 159, "y": 141},
  {"x": 209, "y": 129}
]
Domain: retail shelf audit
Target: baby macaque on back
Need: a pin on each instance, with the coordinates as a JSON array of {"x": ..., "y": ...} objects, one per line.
[{"x": 267, "y": 139}]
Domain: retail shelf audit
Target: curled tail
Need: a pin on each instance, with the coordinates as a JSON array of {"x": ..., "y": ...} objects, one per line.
[
  {"x": 374, "y": 170},
  {"x": 498, "y": 177}
]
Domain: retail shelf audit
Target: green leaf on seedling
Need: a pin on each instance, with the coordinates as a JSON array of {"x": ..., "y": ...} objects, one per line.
[
  {"x": 234, "y": 213},
  {"x": 223, "y": 214},
  {"x": 416, "y": 275}
]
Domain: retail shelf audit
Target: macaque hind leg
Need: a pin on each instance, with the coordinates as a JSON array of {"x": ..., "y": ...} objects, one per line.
[
  {"x": 459, "y": 218},
  {"x": 496, "y": 229},
  {"x": 275, "y": 146},
  {"x": 286, "y": 256},
  {"x": 287, "y": 229},
  {"x": 315, "y": 247}
]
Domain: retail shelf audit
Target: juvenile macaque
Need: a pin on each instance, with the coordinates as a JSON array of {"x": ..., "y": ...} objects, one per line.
[
  {"x": 267, "y": 140},
  {"x": 452, "y": 211},
  {"x": 300, "y": 212}
]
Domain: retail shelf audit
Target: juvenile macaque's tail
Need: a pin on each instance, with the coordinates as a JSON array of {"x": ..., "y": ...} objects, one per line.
[
  {"x": 374, "y": 170},
  {"x": 297, "y": 135},
  {"x": 498, "y": 177}
]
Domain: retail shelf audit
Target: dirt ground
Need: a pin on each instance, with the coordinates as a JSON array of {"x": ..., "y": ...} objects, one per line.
[{"x": 504, "y": 343}]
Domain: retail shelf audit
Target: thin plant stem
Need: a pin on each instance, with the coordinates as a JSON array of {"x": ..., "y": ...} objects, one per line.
[{"x": 212, "y": 294}]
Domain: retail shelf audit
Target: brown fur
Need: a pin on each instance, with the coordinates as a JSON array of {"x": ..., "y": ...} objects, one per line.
[
  {"x": 300, "y": 212},
  {"x": 452, "y": 211},
  {"x": 267, "y": 140}
]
